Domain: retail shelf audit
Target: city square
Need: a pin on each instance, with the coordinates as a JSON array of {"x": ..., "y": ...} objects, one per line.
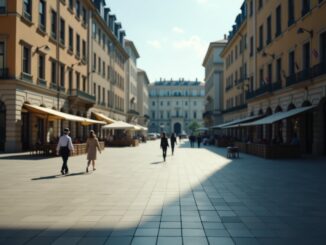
[{"x": 198, "y": 196}]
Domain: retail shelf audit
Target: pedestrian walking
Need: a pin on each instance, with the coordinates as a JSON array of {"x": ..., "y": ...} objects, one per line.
[
  {"x": 92, "y": 145},
  {"x": 164, "y": 145},
  {"x": 173, "y": 141},
  {"x": 64, "y": 148},
  {"x": 192, "y": 140},
  {"x": 198, "y": 141}
]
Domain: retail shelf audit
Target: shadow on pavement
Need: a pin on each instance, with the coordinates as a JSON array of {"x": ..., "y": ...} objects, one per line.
[
  {"x": 246, "y": 201},
  {"x": 27, "y": 157},
  {"x": 59, "y": 176}
]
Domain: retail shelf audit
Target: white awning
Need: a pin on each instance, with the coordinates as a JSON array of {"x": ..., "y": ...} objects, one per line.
[
  {"x": 102, "y": 117},
  {"x": 119, "y": 125},
  {"x": 237, "y": 121},
  {"x": 277, "y": 116},
  {"x": 53, "y": 114}
]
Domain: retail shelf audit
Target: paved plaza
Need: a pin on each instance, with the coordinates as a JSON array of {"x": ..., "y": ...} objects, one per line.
[{"x": 196, "y": 197}]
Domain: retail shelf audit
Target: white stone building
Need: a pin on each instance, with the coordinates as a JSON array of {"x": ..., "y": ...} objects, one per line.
[
  {"x": 131, "y": 82},
  {"x": 142, "y": 97},
  {"x": 175, "y": 104}
]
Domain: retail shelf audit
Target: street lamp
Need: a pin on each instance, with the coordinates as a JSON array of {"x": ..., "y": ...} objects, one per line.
[{"x": 303, "y": 30}]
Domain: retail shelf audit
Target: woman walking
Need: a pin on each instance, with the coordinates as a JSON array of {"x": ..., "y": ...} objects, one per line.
[
  {"x": 164, "y": 145},
  {"x": 91, "y": 145}
]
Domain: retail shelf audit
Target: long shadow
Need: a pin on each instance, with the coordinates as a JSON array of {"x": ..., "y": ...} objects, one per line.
[
  {"x": 27, "y": 157},
  {"x": 59, "y": 176},
  {"x": 250, "y": 201}
]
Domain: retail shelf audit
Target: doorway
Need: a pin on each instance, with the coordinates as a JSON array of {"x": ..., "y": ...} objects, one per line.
[
  {"x": 177, "y": 128},
  {"x": 25, "y": 131}
]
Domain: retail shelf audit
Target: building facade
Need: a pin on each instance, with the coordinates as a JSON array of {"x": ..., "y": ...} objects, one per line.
[
  {"x": 286, "y": 44},
  {"x": 142, "y": 97},
  {"x": 45, "y": 53},
  {"x": 173, "y": 105},
  {"x": 107, "y": 63},
  {"x": 131, "y": 81},
  {"x": 213, "y": 64}
]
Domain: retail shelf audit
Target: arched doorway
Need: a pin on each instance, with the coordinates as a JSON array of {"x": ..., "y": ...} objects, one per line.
[
  {"x": 2, "y": 126},
  {"x": 177, "y": 128}
]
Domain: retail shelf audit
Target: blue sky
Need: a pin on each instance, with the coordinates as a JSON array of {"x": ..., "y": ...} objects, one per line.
[{"x": 172, "y": 36}]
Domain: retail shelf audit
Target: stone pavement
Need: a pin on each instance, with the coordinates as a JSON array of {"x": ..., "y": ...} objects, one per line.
[{"x": 197, "y": 197}]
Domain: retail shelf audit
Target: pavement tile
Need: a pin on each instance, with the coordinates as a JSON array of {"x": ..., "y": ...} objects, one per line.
[
  {"x": 195, "y": 241},
  {"x": 220, "y": 241},
  {"x": 193, "y": 232},
  {"x": 118, "y": 241},
  {"x": 144, "y": 241},
  {"x": 169, "y": 241},
  {"x": 170, "y": 232}
]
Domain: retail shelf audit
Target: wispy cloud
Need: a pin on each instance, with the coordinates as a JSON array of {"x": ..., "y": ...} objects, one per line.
[
  {"x": 177, "y": 30},
  {"x": 202, "y": 1},
  {"x": 193, "y": 43},
  {"x": 154, "y": 43}
]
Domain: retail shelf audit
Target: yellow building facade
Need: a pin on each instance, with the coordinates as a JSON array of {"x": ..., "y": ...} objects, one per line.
[
  {"x": 44, "y": 61},
  {"x": 286, "y": 43}
]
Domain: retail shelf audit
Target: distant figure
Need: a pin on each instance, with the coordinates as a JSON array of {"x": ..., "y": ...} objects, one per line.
[
  {"x": 64, "y": 148},
  {"x": 192, "y": 140},
  {"x": 180, "y": 138},
  {"x": 198, "y": 141},
  {"x": 164, "y": 145},
  {"x": 173, "y": 141},
  {"x": 92, "y": 145}
]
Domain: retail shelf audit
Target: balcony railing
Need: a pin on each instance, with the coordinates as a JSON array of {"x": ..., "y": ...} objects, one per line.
[
  {"x": 27, "y": 77},
  {"x": 236, "y": 108},
  {"x": 54, "y": 86},
  {"x": 306, "y": 74},
  {"x": 268, "y": 88},
  {"x": 41, "y": 82},
  {"x": 4, "y": 73},
  {"x": 83, "y": 95}
]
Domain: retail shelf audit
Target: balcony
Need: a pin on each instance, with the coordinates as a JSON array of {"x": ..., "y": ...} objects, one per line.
[
  {"x": 265, "y": 89},
  {"x": 307, "y": 74},
  {"x": 54, "y": 86},
  {"x": 4, "y": 73},
  {"x": 41, "y": 82},
  {"x": 133, "y": 112},
  {"x": 27, "y": 77},
  {"x": 78, "y": 96},
  {"x": 236, "y": 108}
]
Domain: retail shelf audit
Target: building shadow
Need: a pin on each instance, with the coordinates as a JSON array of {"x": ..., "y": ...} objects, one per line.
[{"x": 246, "y": 201}]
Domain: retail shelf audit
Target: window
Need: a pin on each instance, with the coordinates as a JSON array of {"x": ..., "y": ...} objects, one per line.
[
  {"x": 162, "y": 114},
  {"x": 291, "y": 11},
  {"x": 26, "y": 60},
  {"x": 261, "y": 37},
  {"x": 186, "y": 102},
  {"x": 251, "y": 46},
  {"x": 291, "y": 63},
  {"x": 99, "y": 94},
  {"x": 236, "y": 52},
  {"x": 62, "y": 31},
  {"x": 186, "y": 114},
  {"x": 270, "y": 73},
  {"x": 2, "y": 58},
  {"x": 94, "y": 30},
  {"x": 279, "y": 70},
  {"x": 103, "y": 69},
  {"x": 84, "y": 83},
  {"x": 153, "y": 114},
  {"x": 54, "y": 24},
  {"x": 53, "y": 72},
  {"x": 195, "y": 103},
  {"x": 62, "y": 75},
  {"x": 2, "y": 6},
  {"x": 305, "y": 7},
  {"x": 77, "y": 81},
  {"x": 42, "y": 17},
  {"x": 71, "y": 4},
  {"x": 195, "y": 114},
  {"x": 261, "y": 77},
  {"x": 278, "y": 24},
  {"x": 41, "y": 66},
  {"x": 71, "y": 39},
  {"x": 99, "y": 65},
  {"x": 27, "y": 9},
  {"x": 94, "y": 62},
  {"x": 84, "y": 50},
  {"x": 70, "y": 80},
  {"x": 153, "y": 103},
  {"x": 306, "y": 56},
  {"x": 251, "y": 8},
  {"x": 84, "y": 14},
  {"x": 260, "y": 4},
  {"x": 168, "y": 114},
  {"x": 77, "y": 8},
  {"x": 78, "y": 45},
  {"x": 269, "y": 30}
]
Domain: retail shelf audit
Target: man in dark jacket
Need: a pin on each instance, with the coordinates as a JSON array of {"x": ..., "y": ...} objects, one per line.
[
  {"x": 164, "y": 145},
  {"x": 173, "y": 141}
]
